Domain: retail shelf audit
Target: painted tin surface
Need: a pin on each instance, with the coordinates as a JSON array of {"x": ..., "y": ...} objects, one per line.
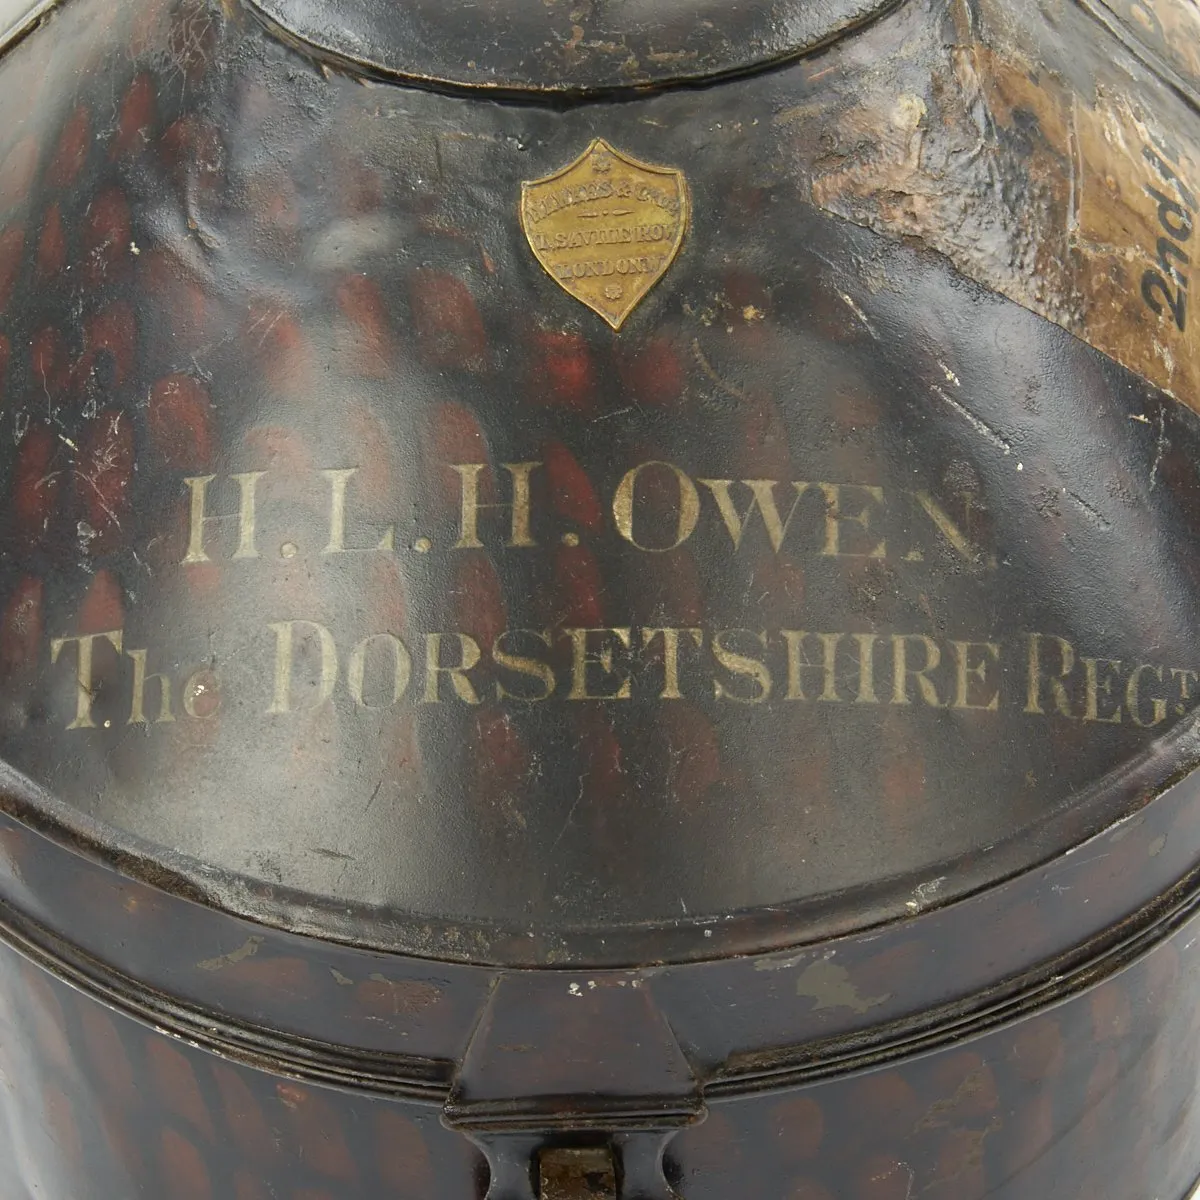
[{"x": 570, "y": 616}]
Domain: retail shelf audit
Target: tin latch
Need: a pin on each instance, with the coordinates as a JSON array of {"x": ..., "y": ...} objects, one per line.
[{"x": 577, "y": 1173}]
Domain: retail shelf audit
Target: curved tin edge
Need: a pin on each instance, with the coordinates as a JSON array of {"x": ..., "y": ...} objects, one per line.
[
  {"x": 19, "y": 19},
  {"x": 1150, "y": 60},
  {"x": 1111, "y": 800},
  {"x": 429, "y": 1081},
  {"x": 344, "y": 1068},
  {"x": 458, "y": 73}
]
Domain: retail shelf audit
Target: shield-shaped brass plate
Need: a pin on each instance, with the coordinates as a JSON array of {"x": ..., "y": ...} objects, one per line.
[{"x": 606, "y": 227}]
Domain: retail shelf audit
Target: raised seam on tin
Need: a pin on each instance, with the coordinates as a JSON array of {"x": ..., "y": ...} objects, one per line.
[
  {"x": 361, "y": 65},
  {"x": 428, "y": 1081}
]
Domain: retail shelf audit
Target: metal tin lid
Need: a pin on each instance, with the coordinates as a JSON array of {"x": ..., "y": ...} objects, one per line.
[{"x": 531, "y": 45}]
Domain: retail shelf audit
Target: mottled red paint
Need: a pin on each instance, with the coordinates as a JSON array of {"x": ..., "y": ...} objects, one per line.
[
  {"x": 561, "y": 370},
  {"x": 571, "y": 491},
  {"x": 316, "y": 1127},
  {"x": 183, "y": 1164},
  {"x": 17, "y": 172},
  {"x": 365, "y": 344},
  {"x": 244, "y": 1120},
  {"x": 402, "y": 1155},
  {"x": 763, "y": 451},
  {"x": 449, "y": 327},
  {"x": 52, "y": 245},
  {"x": 22, "y": 627},
  {"x": 12, "y": 254},
  {"x": 137, "y": 118},
  {"x": 282, "y": 350},
  {"x": 693, "y": 750},
  {"x": 107, "y": 256},
  {"x": 187, "y": 311},
  {"x": 103, "y": 606},
  {"x": 176, "y": 1084},
  {"x": 36, "y": 480},
  {"x": 71, "y": 152},
  {"x": 48, "y": 362},
  {"x": 500, "y": 760},
  {"x": 455, "y": 436},
  {"x": 103, "y": 474},
  {"x": 799, "y": 1128},
  {"x": 196, "y": 154},
  {"x": 180, "y": 417},
  {"x": 476, "y": 598},
  {"x": 653, "y": 375},
  {"x": 111, "y": 331},
  {"x": 62, "y": 1124},
  {"x": 579, "y": 588},
  {"x": 109, "y": 1056}
]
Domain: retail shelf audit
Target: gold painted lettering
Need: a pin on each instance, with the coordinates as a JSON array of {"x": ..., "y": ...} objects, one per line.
[
  {"x": 901, "y": 671},
  {"x": 688, "y": 509},
  {"x": 582, "y": 657},
  {"x": 866, "y": 668},
  {"x": 974, "y": 672},
  {"x": 522, "y": 664},
  {"x": 741, "y": 665},
  {"x": 947, "y": 528},
  {"x": 1092, "y": 668},
  {"x": 356, "y": 669},
  {"x": 83, "y": 671},
  {"x": 762, "y": 498},
  {"x": 471, "y": 506},
  {"x": 338, "y": 482},
  {"x": 137, "y": 712},
  {"x": 670, "y": 639},
  {"x": 285, "y": 650},
  {"x": 835, "y": 518},
  {"x": 1036, "y": 677},
  {"x": 247, "y": 483},
  {"x": 798, "y": 661},
  {"x": 469, "y": 656},
  {"x": 1133, "y": 697}
]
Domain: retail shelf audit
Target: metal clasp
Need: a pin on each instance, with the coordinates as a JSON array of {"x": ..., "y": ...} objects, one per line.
[{"x": 585, "y": 1173}]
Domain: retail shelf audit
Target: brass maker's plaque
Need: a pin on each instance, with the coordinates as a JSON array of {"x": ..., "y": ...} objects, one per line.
[{"x": 606, "y": 227}]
